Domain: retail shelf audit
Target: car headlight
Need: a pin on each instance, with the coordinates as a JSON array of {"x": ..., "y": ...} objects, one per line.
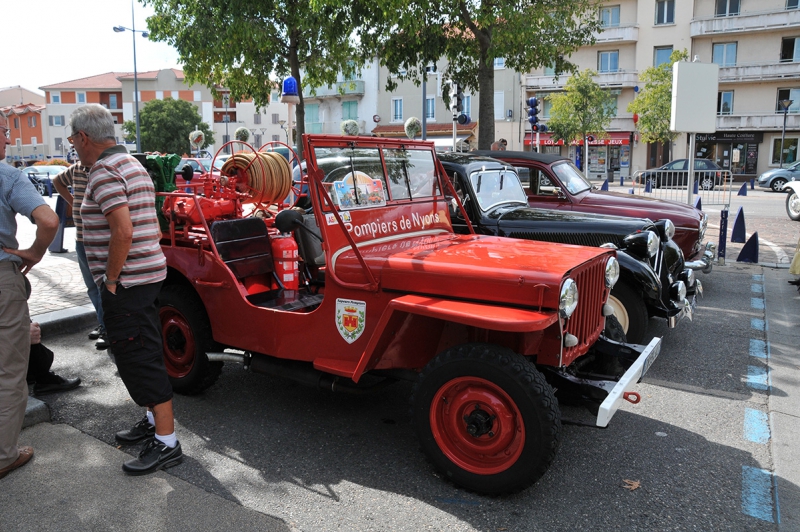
[
  {"x": 612, "y": 272},
  {"x": 568, "y": 299},
  {"x": 703, "y": 226},
  {"x": 666, "y": 229},
  {"x": 677, "y": 291},
  {"x": 643, "y": 244}
]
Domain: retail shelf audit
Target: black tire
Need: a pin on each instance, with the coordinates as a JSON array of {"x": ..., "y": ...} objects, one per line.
[
  {"x": 793, "y": 206},
  {"x": 186, "y": 334},
  {"x": 707, "y": 182},
  {"x": 41, "y": 189},
  {"x": 504, "y": 458},
  {"x": 614, "y": 330},
  {"x": 777, "y": 184},
  {"x": 630, "y": 310}
]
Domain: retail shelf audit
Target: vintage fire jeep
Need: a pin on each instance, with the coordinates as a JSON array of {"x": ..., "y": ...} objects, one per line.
[{"x": 485, "y": 326}]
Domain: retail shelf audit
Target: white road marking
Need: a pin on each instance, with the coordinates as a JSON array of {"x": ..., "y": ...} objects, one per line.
[{"x": 781, "y": 255}]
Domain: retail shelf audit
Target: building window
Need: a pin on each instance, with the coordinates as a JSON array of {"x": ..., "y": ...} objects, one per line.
[
  {"x": 609, "y": 16},
  {"x": 80, "y": 97},
  {"x": 727, "y": 8},
  {"x": 257, "y": 139},
  {"x": 57, "y": 120},
  {"x": 313, "y": 124},
  {"x": 665, "y": 12},
  {"x": 547, "y": 106},
  {"x": 34, "y": 141},
  {"x": 612, "y": 105},
  {"x": 350, "y": 110},
  {"x": 466, "y": 103},
  {"x": 430, "y": 108},
  {"x": 724, "y": 102},
  {"x": 55, "y": 97},
  {"x": 792, "y": 4},
  {"x": 499, "y": 62},
  {"x": 789, "y": 150},
  {"x": 276, "y": 119},
  {"x": 790, "y": 50},
  {"x": 550, "y": 70},
  {"x": 724, "y": 54},
  {"x": 112, "y": 101},
  {"x": 661, "y": 55},
  {"x": 788, "y": 94},
  {"x": 608, "y": 61},
  {"x": 16, "y": 123},
  {"x": 499, "y": 105},
  {"x": 257, "y": 118},
  {"x": 59, "y": 144},
  {"x": 32, "y": 122},
  {"x": 397, "y": 109}
]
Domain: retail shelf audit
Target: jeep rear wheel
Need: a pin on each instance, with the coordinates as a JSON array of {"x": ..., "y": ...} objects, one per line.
[
  {"x": 486, "y": 418},
  {"x": 630, "y": 311},
  {"x": 186, "y": 335}
]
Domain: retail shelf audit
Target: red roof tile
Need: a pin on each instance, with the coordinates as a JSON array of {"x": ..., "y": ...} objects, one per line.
[{"x": 107, "y": 81}]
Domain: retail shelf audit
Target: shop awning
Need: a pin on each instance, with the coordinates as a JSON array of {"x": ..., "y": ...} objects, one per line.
[{"x": 616, "y": 138}]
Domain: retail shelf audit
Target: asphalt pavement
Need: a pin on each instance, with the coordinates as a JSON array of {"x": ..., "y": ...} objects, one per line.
[{"x": 75, "y": 481}]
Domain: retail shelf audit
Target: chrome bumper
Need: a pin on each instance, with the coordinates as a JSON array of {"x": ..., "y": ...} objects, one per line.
[{"x": 706, "y": 262}]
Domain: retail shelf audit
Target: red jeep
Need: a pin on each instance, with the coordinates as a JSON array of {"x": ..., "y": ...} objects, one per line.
[{"x": 370, "y": 284}]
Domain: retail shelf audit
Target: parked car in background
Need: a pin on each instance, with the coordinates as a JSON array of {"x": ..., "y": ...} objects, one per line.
[
  {"x": 778, "y": 177},
  {"x": 792, "y": 188},
  {"x": 707, "y": 173},
  {"x": 653, "y": 280},
  {"x": 571, "y": 191},
  {"x": 42, "y": 176}
]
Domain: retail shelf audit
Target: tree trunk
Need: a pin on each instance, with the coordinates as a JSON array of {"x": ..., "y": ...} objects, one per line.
[{"x": 486, "y": 102}]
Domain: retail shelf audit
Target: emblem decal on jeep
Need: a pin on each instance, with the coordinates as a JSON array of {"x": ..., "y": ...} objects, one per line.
[{"x": 351, "y": 316}]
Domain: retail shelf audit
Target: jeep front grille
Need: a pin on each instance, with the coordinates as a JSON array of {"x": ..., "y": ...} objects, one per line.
[{"x": 587, "y": 322}]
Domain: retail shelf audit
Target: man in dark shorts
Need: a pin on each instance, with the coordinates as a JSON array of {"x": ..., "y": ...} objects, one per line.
[{"x": 121, "y": 239}]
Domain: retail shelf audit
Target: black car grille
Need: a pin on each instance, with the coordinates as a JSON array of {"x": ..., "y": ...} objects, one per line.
[
  {"x": 587, "y": 322},
  {"x": 580, "y": 239}
]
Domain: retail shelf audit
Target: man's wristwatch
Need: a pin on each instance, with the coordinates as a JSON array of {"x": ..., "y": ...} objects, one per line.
[{"x": 108, "y": 281}]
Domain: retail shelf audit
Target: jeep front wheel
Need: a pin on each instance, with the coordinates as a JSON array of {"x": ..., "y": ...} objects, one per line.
[
  {"x": 486, "y": 418},
  {"x": 186, "y": 335}
]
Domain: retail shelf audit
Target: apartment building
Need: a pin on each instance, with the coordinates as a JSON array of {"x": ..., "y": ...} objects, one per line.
[
  {"x": 115, "y": 91},
  {"x": 26, "y": 132}
]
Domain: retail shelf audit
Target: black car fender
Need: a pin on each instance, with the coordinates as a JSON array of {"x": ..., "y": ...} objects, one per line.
[{"x": 639, "y": 276}]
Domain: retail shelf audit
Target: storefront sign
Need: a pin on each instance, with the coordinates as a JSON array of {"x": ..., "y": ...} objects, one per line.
[
  {"x": 615, "y": 139},
  {"x": 730, "y": 136}
]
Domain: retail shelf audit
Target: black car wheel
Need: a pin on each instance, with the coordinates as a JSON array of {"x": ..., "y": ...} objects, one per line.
[
  {"x": 707, "y": 182},
  {"x": 777, "y": 184}
]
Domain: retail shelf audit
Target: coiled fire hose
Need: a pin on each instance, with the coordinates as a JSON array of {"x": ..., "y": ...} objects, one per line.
[{"x": 269, "y": 176}]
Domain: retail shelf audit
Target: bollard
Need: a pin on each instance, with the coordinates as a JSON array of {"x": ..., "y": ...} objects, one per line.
[
  {"x": 696, "y": 185},
  {"x": 743, "y": 190},
  {"x": 649, "y": 186},
  {"x": 698, "y": 204},
  {"x": 621, "y": 180},
  {"x": 738, "y": 233},
  {"x": 604, "y": 186},
  {"x": 749, "y": 251},
  {"x": 753, "y": 184},
  {"x": 57, "y": 246},
  {"x": 723, "y": 236}
]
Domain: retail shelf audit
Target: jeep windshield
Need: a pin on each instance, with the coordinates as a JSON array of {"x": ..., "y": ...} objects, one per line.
[
  {"x": 571, "y": 178},
  {"x": 493, "y": 187},
  {"x": 358, "y": 178}
]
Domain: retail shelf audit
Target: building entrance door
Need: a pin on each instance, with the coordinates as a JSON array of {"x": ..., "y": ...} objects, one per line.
[{"x": 658, "y": 154}]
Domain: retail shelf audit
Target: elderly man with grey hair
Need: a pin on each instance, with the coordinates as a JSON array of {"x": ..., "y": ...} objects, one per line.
[{"x": 121, "y": 238}]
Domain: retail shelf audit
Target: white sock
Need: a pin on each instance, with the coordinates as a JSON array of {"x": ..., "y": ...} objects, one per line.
[
  {"x": 170, "y": 440},
  {"x": 150, "y": 418}
]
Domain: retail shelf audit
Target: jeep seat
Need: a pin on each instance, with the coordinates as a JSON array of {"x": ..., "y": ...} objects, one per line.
[{"x": 244, "y": 246}]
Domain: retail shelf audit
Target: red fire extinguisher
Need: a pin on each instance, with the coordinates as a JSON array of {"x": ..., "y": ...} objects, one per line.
[{"x": 284, "y": 254}]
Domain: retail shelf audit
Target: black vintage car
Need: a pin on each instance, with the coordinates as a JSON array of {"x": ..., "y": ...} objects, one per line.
[{"x": 654, "y": 281}]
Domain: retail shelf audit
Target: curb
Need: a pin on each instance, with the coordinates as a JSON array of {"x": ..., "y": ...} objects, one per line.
[
  {"x": 66, "y": 321},
  {"x": 35, "y": 412}
]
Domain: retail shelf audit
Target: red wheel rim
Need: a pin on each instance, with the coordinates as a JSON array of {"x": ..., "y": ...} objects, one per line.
[
  {"x": 486, "y": 454},
  {"x": 179, "y": 343}
]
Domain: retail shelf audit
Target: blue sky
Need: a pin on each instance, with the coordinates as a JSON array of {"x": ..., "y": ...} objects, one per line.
[{"x": 64, "y": 40}]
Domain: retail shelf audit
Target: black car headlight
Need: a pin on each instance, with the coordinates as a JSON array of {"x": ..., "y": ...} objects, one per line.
[
  {"x": 666, "y": 229},
  {"x": 612, "y": 272},
  {"x": 643, "y": 244},
  {"x": 568, "y": 298},
  {"x": 677, "y": 292}
]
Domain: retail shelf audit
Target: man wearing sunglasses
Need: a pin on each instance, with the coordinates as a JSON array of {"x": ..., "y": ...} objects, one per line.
[
  {"x": 127, "y": 263},
  {"x": 17, "y": 196}
]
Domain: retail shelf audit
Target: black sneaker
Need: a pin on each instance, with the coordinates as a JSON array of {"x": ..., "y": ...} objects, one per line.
[
  {"x": 156, "y": 455},
  {"x": 102, "y": 342},
  {"x": 141, "y": 431},
  {"x": 55, "y": 383},
  {"x": 96, "y": 332}
]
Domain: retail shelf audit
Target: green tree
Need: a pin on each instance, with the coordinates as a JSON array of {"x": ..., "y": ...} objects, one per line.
[
  {"x": 165, "y": 126},
  {"x": 653, "y": 104},
  {"x": 527, "y": 34},
  {"x": 248, "y": 46},
  {"x": 582, "y": 109},
  {"x": 129, "y": 130}
]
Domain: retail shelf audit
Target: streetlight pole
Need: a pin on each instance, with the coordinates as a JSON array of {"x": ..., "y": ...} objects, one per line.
[
  {"x": 226, "y": 100},
  {"x": 283, "y": 127},
  {"x": 133, "y": 30},
  {"x": 785, "y": 104}
]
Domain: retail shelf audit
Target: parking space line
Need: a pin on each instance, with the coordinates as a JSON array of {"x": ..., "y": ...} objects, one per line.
[
  {"x": 758, "y": 348},
  {"x": 757, "y": 303},
  {"x": 757, "y": 493},
  {"x": 757, "y": 288},
  {"x": 758, "y": 324},
  {"x": 756, "y": 426}
]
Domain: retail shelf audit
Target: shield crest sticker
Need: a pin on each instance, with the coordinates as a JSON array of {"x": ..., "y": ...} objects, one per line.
[{"x": 351, "y": 316}]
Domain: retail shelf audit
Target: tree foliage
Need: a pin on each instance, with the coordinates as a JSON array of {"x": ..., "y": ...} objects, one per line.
[
  {"x": 653, "y": 104},
  {"x": 582, "y": 109},
  {"x": 165, "y": 126},
  {"x": 248, "y": 47},
  {"x": 527, "y": 34}
]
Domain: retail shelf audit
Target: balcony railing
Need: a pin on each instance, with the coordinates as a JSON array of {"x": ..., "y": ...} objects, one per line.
[
  {"x": 331, "y": 127},
  {"x": 772, "y": 20},
  {"x": 345, "y": 88},
  {"x": 617, "y": 79},
  {"x": 758, "y": 121},
  {"x": 761, "y": 71},
  {"x": 621, "y": 34}
]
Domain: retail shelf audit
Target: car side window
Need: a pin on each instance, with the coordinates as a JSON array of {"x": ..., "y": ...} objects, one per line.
[{"x": 677, "y": 165}]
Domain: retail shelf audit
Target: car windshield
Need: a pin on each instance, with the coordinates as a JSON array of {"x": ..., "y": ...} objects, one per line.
[
  {"x": 493, "y": 187},
  {"x": 571, "y": 178}
]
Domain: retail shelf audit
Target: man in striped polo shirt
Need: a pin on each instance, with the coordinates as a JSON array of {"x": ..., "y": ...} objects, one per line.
[{"x": 121, "y": 240}]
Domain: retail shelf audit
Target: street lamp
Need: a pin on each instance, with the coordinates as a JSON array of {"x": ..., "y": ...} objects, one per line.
[
  {"x": 785, "y": 104},
  {"x": 283, "y": 127},
  {"x": 132, "y": 29}
]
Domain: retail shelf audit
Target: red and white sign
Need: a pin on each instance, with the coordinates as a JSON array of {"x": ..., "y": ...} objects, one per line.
[{"x": 614, "y": 139}]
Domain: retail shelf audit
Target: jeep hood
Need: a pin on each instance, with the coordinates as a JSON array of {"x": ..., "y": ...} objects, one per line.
[{"x": 473, "y": 267}]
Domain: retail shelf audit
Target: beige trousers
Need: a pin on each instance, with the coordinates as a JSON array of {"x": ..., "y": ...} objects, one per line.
[
  {"x": 795, "y": 267},
  {"x": 15, "y": 344}
]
